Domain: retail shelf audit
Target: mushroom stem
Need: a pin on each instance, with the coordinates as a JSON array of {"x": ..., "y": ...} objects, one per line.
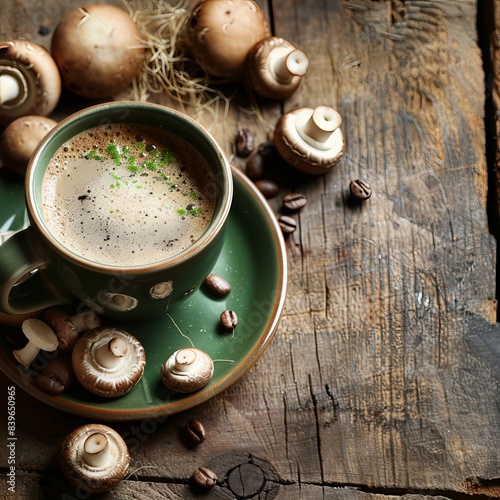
[
  {"x": 27, "y": 354},
  {"x": 320, "y": 125},
  {"x": 111, "y": 354},
  {"x": 9, "y": 88},
  {"x": 286, "y": 65},
  {"x": 184, "y": 359},
  {"x": 96, "y": 450}
]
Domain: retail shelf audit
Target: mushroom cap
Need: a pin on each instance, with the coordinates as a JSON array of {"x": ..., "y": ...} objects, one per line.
[
  {"x": 40, "y": 334},
  {"x": 187, "y": 370},
  {"x": 107, "y": 382},
  {"x": 261, "y": 76},
  {"x": 20, "y": 138},
  {"x": 222, "y": 33},
  {"x": 32, "y": 63},
  {"x": 305, "y": 153},
  {"x": 97, "y": 49},
  {"x": 96, "y": 479}
]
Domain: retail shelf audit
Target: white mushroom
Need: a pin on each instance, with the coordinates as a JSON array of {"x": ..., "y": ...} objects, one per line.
[
  {"x": 40, "y": 337},
  {"x": 98, "y": 50},
  {"x": 223, "y": 33},
  {"x": 30, "y": 83},
  {"x": 187, "y": 370},
  {"x": 276, "y": 68},
  {"x": 20, "y": 138},
  {"x": 108, "y": 361},
  {"x": 95, "y": 457},
  {"x": 310, "y": 140}
]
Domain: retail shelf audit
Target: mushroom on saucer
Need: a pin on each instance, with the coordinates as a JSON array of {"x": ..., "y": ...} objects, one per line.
[
  {"x": 94, "y": 457},
  {"x": 40, "y": 338},
  {"x": 108, "y": 362},
  {"x": 187, "y": 370},
  {"x": 20, "y": 138},
  {"x": 310, "y": 140},
  {"x": 30, "y": 83}
]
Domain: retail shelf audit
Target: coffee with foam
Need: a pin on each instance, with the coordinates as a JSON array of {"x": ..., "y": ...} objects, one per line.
[{"x": 127, "y": 195}]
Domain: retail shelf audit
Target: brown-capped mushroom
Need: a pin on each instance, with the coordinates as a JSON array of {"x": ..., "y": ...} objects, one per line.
[
  {"x": 98, "y": 50},
  {"x": 187, "y": 370},
  {"x": 68, "y": 328},
  {"x": 108, "y": 361},
  {"x": 276, "y": 67},
  {"x": 223, "y": 33},
  {"x": 94, "y": 457},
  {"x": 20, "y": 138},
  {"x": 310, "y": 140},
  {"x": 40, "y": 338},
  {"x": 30, "y": 83}
]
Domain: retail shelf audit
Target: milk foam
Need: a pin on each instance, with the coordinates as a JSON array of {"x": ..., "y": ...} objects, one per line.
[{"x": 127, "y": 195}]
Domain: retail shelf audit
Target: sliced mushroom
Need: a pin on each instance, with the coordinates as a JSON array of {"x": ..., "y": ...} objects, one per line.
[
  {"x": 276, "y": 68},
  {"x": 187, "y": 370},
  {"x": 223, "y": 33},
  {"x": 40, "y": 338},
  {"x": 20, "y": 138},
  {"x": 98, "y": 50},
  {"x": 310, "y": 140},
  {"x": 108, "y": 361},
  {"x": 30, "y": 83},
  {"x": 95, "y": 457}
]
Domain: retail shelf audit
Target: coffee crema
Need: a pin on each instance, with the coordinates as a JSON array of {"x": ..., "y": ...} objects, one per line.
[{"x": 127, "y": 194}]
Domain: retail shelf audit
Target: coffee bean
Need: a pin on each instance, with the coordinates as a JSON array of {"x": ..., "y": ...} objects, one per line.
[
  {"x": 205, "y": 477},
  {"x": 217, "y": 285},
  {"x": 195, "y": 431},
  {"x": 268, "y": 188},
  {"x": 245, "y": 142},
  {"x": 255, "y": 167},
  {"x": 267, "y": 149},
  {"x": 229, "y": 319},
  {"x": 294, "y": 201},
  {"x": 287, "y": 224},
  {"x": 360, "y": 189}
]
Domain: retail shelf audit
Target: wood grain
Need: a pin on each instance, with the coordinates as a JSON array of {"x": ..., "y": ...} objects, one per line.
[{"x": 383, "y": 379}]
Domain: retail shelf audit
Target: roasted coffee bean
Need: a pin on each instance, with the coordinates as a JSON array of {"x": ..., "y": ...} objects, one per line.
[
  {"x": 360, "y": 189},
  {"x": 267, "y": 149},
  {"x": 287, "y": 224},
  {"x": 294, "y": 201},
  {"x": 195, "y": 431},
  {"x": 205, "y": 477},
  {"x": 57, "y": 376},
  {"x": 217, "y": 285},
  {"x": 255, "y": 167},
  {"x": 245, "y": 142},
  {"x": 229, "y": 319},
  {"x": 268, "y": 188}
]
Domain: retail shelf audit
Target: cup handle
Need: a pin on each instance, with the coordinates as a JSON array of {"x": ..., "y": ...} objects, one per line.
[{"x": 22, "y": 287}]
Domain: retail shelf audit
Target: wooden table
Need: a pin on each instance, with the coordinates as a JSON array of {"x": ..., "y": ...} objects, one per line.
[{"x": 382, "y": 380}]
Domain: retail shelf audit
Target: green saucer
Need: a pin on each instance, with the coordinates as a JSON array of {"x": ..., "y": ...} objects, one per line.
[{"x": 253, "y": 261}]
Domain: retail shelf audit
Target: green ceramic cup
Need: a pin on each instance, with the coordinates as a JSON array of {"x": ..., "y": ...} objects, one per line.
[{"x": 38, "y": 271}]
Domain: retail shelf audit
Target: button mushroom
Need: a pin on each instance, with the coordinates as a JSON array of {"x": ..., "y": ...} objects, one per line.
[
  {"x": 310, "y": 140},
  {"x": 98, "y": 50},
  {"x": 94, "y": 457},
  {"x": 20, "y": 138},
  {"x": 276, "y": 68},
  {"x": 40, "y": 338},
  {"x": 187, "y": 370},
  {"x": 30, "y": 83},
  {"x": 223, "y": 33},
  {"x": 108, "y": 362}
]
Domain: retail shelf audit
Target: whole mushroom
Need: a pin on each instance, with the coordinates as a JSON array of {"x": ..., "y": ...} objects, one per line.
[
  {"x": 187, "y": 370},
  {"x": 20, "y": 138},
  {"x": 276, "y": 68},
  {"x": 310, "y": 140},
  {"x": 108, "y": 362},
  {"x": 98, "y": 50},
  {"x": 222, "y": 33},
  {"x": 95, "y": 457},
  {"x": 30, "y": 83}
]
